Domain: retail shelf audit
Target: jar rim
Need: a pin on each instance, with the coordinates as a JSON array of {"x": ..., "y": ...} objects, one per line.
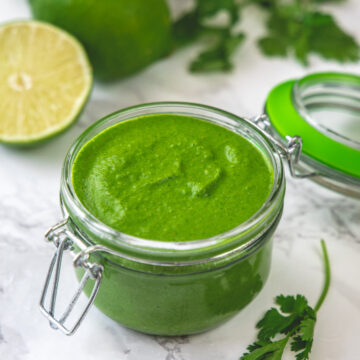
[{"x": 265, "y": 216}]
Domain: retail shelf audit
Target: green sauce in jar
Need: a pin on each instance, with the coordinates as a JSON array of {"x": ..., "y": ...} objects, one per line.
[
  {"x": 175, "y": 179},
  {"x": 171, "y": 178}
]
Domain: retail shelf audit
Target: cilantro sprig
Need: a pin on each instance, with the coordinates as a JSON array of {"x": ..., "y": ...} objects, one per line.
[
  {"x": 301, "y": 29},
  {"x": 223, "y": 39},
  {"x": 292, "y": 322},
  {"x": 294, "y": 28}
]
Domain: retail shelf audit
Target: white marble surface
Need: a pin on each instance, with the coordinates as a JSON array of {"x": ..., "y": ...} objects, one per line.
[{"x": 29, "y": 186}]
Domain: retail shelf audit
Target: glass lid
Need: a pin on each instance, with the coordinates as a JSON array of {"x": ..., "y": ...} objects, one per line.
[
  {"x": 331, "y": 104},
  {"x": 324, "y": 110}
]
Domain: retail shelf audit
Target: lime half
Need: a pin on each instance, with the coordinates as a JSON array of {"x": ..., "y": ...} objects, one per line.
[{"x": 45, "y": 79}]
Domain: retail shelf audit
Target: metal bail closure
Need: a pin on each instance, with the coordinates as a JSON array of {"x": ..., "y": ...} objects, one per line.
[
  {"x": 61, "y": 237},
  {"x": 290, "y": 151}
]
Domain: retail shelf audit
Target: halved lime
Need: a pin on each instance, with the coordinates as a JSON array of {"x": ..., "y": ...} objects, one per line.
[{"x": 45, "y": 79}]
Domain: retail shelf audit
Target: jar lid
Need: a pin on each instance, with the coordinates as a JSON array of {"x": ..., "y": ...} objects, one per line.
[{"x": 324, "y": 110}]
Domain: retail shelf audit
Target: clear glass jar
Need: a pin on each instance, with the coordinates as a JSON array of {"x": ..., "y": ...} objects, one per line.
[{"x": 156, "y": 287}]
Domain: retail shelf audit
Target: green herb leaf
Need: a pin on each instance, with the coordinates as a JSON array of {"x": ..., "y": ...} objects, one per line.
[
  {"x": 273, "y": 46},
  {"x": 307, "y": 329},
  {"x": 186, "y": 29},
  {"x": 265, "y": 350},
  {"x": 209, "y": 8},
  {"x": 296, "y": 30},
  {"x": 273, "y": 323},
  {"x": 304, "y": 340},
  {"x": 217, "y": 58},
  {"x": 294, "y": 321},
  {"x": 298, "y": 344},
  {"x": 327, "y": 39},
  {"x": 291, "y": 304},
  {"x": 223, "y": 41},
  {"x": 294, "y": 27}
]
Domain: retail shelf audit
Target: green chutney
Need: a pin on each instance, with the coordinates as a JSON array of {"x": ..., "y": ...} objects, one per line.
[{"x": 171, "y": 178}]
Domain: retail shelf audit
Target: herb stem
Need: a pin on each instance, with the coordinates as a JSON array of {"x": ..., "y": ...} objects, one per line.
[{"x": 327, "y": 277}]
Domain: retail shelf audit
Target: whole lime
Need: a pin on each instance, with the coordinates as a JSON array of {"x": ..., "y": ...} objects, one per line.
[{"x": 120, "y": 36}]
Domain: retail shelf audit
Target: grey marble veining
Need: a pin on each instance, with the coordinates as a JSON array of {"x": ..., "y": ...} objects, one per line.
[{"x": 29, "y": 187}]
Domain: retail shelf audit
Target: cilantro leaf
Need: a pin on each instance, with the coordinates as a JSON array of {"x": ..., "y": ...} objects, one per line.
[
  {"x": 265, "y": 350},
  {"x": 328, "y": 40},
  {"x": 218, "y": 57},
  {"x": 291, "y": 304},
  {"x": 294, "y": 321},
  {"x": 223, "y": 40},
  {"x": 294, "y": 29},
  {"x": 304, "y": 341},
  {"x": 307, "y": 329},
  {"x": 298, "y": 344},
  {"x": 208, "y": 8},
  {"x": 273, "y": 323},
  {"x": 186, "y": 29},
  {"x": 273, "y": 46}
]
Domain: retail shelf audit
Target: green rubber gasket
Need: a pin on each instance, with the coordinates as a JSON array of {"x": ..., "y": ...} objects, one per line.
[{"x": 288, "y": 122}]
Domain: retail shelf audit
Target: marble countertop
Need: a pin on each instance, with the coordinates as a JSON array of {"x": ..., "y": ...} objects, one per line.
[{"x": 29, "y": 189}]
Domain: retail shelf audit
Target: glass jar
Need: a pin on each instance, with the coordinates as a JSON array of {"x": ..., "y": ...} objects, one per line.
[
  {"x": 176, "y": 288},
  {"x": 157, "y": 287}
]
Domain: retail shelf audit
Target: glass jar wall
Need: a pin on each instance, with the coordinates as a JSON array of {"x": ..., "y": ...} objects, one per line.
[{"x": 173, "y": 288}]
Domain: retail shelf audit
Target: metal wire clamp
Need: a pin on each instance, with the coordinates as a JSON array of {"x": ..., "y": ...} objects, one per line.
[
  {"x": 61, "y": 238},
  {"x": 290, "y": 152}
]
